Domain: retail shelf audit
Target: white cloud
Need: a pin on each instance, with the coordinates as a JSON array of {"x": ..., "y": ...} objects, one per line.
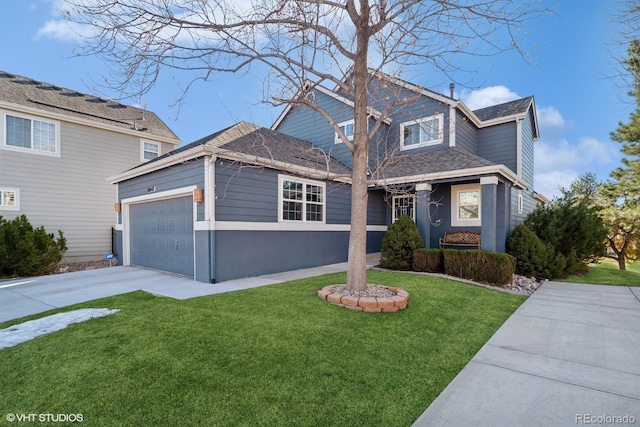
[
  {"x": 60, "y": 30},
  {"x": 559, "y": 163},
  {"x": 550, "y": 121},
  {"x": 486, "y": 97}
]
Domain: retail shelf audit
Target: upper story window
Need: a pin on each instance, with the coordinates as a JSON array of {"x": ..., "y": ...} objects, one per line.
[
  {"x": 31, "y": 135},
  {"x": 465, "y": 205},
  {"x": 347, "y": 128},
  {"x": 404, "y": 205},
  {"x": 301, "y": 200},
  {"x": 9, "y": 199},
  {"x": 422, "y": 132},
  {"x": 150, "y": 150}
]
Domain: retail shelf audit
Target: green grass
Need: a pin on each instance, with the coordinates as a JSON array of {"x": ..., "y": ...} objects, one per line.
[
  {"x": 606, "y": 272},
  {"x": 270, "y": 356}
]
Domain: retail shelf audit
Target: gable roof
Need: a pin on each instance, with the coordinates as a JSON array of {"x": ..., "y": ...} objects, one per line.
[
  {"x": 31, "y": 96},
  {"x": 250, "y": 143},
  {"x": 511, "y": 108}
]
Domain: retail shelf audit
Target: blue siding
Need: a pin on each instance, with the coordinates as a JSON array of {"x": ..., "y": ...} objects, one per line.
[
  {"x": 499, "y": 144},
  {"x": 303, "y": 122},
  {"x": 466, "y": 134},
  {"x": 250, "y": 194},
  {"x": 176, "y": 176},
  {"x": 527, "y": 150},
  {"x": 251, "y": 253}
]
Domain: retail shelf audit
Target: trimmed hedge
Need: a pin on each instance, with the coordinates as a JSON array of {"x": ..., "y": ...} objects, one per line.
[
  {"x": 428, "y": 260},
  {"x": 480, "y": 266}
]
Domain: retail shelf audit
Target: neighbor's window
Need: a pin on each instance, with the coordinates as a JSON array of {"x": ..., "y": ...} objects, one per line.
[
  {"x": 150, "y": 150},
  {"x": 404, "y": 205},
  {"x": 347, "y": 128},
  {"x": 465, "y": 205},
  {"x": 9, "y": 199},
  {"x": 301, "y": 200},
  {"x": 422, "y": 132},
  {"x": 22, "y": 133}
]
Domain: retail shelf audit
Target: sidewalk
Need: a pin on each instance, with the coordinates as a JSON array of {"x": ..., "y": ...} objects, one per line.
[{"x": 568, "y": 356}]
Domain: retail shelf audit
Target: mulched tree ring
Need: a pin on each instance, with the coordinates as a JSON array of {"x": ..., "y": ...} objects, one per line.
[{"x": 376, "y": 299}]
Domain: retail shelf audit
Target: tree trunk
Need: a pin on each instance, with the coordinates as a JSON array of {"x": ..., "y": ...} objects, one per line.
[
  {"x": 357, "y": 270},
  {"x": 622, "y": 265}
]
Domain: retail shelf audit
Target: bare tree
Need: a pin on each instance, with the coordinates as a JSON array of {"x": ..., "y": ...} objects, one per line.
[{"x": 302, "y": 44}]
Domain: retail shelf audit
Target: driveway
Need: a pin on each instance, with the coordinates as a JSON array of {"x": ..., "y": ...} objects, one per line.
[
  {"x": 570, "y": 355},
  {"x": 24, "y": 297}
]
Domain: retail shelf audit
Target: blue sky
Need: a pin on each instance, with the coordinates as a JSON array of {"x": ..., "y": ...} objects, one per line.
[{"x": 571, "y": 76}]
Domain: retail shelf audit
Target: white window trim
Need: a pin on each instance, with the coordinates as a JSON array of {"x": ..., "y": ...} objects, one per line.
[
  {"x": 142, "y": 150},
  {"x": 16, "y": 193},
  {"x": 281, "y": 179},
  {"x": 336, "y": 139},
  {"x": 404, "y": 196},
  {"x": 8, "y": 147},
  {"x": 417, "y": 122},
  {"x": 455, "y": 220}
]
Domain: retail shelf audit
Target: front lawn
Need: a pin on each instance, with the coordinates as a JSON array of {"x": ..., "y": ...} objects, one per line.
[
  {"x": 606, "y": 272},
  {"x": 275, "y": 355}
]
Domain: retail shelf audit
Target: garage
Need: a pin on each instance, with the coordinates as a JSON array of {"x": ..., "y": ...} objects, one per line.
[{"x": 161, "y": 235}]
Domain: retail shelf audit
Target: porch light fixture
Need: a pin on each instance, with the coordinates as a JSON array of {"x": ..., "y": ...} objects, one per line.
[
  {"x": 198, "y": 195},
  {"x": 117, "y": 207}
]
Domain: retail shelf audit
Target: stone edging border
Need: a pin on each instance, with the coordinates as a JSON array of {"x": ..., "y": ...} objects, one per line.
[{"x": 398, "y": 302}]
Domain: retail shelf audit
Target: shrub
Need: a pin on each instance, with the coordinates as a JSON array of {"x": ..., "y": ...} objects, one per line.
[
  {"x": 480, "y": 266},
  {"x": 399, "y": 243},
  {"x": 572, "y": 230},
  {"x": 28, "y": 251},
  {"x": 530, "y": 253},
  {"x": 428, "y": 260}
]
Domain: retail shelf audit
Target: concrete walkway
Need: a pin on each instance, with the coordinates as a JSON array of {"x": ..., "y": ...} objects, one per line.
[
  {"x": 570, "y": 355},
  {"x": 24, "y": 297}
]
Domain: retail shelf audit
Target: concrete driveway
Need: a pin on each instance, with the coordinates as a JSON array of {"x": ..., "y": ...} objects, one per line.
[
  {"x": 570, "y": 355},
  {"x": 23, "y": 297}
]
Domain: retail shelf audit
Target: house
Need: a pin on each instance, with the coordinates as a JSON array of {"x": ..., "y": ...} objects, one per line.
[
  {"x": 249, "y": 200},
  {"x": 58, "y": 148}
]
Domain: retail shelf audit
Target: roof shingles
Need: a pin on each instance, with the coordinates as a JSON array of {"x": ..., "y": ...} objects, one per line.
[{"x": 47, "y": 97}]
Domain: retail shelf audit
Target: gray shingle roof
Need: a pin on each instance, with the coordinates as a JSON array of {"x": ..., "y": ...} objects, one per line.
[
  {"x": 249, "y": 139},
  {"x": 275, "y": 146},
  {"x": 47, "y": 97},
  {"x": 428, "y": 162},
  {"x": 518, "y": 106}
]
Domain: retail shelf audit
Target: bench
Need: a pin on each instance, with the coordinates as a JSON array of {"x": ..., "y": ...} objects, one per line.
[{"x": 460, "y": 238}]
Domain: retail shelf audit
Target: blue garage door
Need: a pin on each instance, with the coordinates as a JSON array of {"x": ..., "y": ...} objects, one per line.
[{"x": 162, "y": 235}]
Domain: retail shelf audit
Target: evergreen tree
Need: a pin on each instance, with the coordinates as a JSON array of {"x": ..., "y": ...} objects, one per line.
[{"x": 620, "y": 198}]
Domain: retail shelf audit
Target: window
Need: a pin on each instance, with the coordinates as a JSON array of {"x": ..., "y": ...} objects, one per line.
[
  {"x": 520, "y": 203},
  {"x": 465, "y": 206},
  {"x": 38, "y": 136},
  {"x": 423, "y": 132},
  {"x": 404, "y": 205},
  {"x": 9, "y": 199},
  {"x": 150, "y": 150},
  {"x": 301, "y": 200},
  {"x": 348, "y": 129}
]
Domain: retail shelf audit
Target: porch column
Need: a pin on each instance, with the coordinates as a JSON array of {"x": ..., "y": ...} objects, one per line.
[
  {"x": 423, "y": 198},
  {"x": 488, "y": 228}
]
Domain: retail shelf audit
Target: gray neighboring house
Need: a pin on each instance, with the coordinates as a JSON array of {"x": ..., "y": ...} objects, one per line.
[
  {"x": 247, "y": 200},
  {"x": 58, "y": 148}
]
